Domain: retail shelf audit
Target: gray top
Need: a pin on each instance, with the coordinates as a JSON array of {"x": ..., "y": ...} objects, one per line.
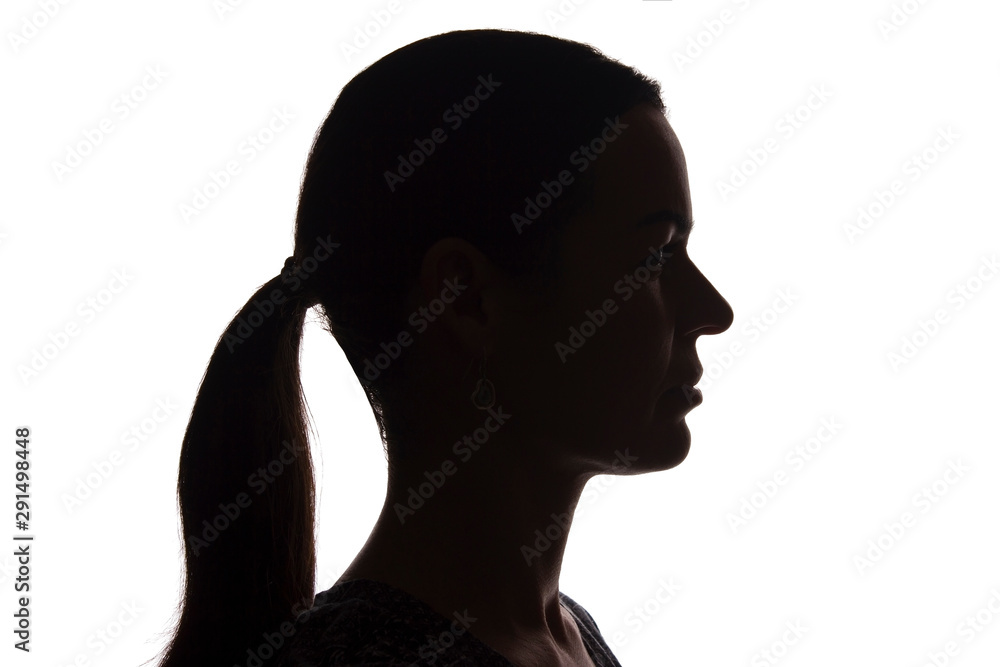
[{"x": 365, "y": 622}]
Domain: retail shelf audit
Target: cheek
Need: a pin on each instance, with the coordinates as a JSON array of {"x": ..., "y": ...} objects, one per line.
[
  {"x": 626, "y": 348},
  {"x": 642, "y": 331},
  {"x": 609, "y": 388},
  {"x": 600, "y": 354}
]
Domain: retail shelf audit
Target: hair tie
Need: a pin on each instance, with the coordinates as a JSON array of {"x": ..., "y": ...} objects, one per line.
[
  {"x": 300, "y": 292},
  {"x": 290, "y": 266}
]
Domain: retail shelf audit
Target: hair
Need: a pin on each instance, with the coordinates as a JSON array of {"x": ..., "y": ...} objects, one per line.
[{"x": 364, "y": 222}]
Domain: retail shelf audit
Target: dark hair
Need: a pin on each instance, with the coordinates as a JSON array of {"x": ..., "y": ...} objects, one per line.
[{"x": 390, "y": 173}]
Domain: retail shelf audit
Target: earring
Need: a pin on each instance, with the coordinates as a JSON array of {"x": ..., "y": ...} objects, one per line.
[{"x": 484, "y": 395}]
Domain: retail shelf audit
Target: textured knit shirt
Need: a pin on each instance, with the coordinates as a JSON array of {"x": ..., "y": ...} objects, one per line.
[{"x": 365, "y": 622}]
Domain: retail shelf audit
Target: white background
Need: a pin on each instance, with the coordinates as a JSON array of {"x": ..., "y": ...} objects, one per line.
[{"x": 827, "y": 356}]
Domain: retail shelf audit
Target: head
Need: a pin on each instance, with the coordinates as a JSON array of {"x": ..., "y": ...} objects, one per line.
[
  {"x": 483, "y": 206},
  {"x": 480, "y": 199},
  {"x": 591, "y": 361}
]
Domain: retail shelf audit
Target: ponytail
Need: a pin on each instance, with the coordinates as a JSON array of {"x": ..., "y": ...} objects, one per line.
[{"x": 246, "y": 490}]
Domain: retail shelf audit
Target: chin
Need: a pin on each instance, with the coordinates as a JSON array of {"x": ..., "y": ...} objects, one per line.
[{"x": 652, "y": 452}]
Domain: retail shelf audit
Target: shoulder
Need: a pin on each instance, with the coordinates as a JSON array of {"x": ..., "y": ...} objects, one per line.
[
  {"x": 600, "y": 652},
  {"x": 585, "y": 618},
  {"x": 365, "y": 622}
]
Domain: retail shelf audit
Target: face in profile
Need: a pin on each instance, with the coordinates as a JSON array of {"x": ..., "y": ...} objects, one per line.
[{"x": 615, "y": 385}]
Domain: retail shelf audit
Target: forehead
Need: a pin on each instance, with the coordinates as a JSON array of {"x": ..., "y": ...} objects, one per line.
[{"x": 643, "y": 170}]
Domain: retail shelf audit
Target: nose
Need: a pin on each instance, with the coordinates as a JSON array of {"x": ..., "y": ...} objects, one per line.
[{"x": 706, "y": 312}]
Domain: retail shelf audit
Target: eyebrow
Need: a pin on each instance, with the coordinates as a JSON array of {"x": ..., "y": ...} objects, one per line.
[{"x": 684, "y": 225}]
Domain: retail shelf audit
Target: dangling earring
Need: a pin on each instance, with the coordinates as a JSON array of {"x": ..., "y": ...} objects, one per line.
[{"x": 484, "y": 395}]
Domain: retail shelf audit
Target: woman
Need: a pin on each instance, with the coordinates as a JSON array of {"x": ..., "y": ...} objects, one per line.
[{"x": 493, "y": 225}]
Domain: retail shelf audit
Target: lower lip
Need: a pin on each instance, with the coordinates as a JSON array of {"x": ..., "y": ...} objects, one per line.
[{"x": 691, "y": 394}]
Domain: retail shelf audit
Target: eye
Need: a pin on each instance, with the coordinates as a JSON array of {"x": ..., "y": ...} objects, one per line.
[{"x": 668, "y": 251}]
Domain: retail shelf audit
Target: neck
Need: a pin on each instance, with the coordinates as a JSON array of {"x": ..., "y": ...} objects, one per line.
[{"x": 484, "y": 535}]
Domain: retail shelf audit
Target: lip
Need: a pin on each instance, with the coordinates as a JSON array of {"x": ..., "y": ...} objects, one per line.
[
  {"x": 688, "y": 392},
  {"x": 689, "y": 382}
]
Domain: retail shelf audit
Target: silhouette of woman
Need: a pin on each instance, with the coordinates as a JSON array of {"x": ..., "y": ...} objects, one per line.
[{"x": 493, "y": 225}]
